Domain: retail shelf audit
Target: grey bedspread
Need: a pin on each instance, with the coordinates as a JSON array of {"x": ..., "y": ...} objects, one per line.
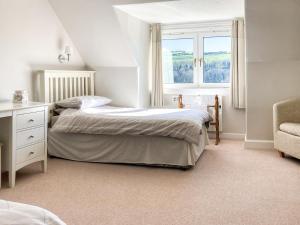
[{"x": 185, "y": 124}]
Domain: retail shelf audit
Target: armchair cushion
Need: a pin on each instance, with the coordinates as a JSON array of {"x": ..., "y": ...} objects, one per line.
[
  {"x": 290, "y": 128},
  {"x": 286, "y": 111}
]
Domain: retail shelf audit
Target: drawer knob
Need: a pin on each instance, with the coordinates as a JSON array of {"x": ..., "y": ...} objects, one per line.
[
  {"x": 30, "y": 137},
  {"x": 31, "y": 153},
  {"x": 31, "y": 120}
]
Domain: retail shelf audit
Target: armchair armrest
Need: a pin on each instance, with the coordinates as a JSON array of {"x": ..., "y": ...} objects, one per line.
[{"x": 286, "y": 111}]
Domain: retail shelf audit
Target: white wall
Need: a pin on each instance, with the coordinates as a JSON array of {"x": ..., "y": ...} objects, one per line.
[
  {"x": 138, "y": 36},
  {"x": 119, "y": 84},
  {"x": 94, "y": 27},
  {"x": 31, "y": 37},
  {"x": 109, "y": 40},
  {"x": 273, "y": 60}
]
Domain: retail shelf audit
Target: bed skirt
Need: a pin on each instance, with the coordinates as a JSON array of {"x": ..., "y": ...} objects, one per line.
[{"x": 146, "y": 150}]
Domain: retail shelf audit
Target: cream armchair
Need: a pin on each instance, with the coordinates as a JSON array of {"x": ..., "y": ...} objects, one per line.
[{"x": 286, "y": 127}]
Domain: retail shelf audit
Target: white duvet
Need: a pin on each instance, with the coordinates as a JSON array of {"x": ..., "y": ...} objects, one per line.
[
  {"x": 185, "y": 124},
  {"x": 12, "y": 213}
]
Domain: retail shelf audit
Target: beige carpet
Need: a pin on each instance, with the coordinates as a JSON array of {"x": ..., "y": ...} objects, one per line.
[{"x": 229, "y": 185}]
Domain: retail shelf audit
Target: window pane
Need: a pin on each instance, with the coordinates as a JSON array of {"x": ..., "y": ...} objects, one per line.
[
  {"x": 217, "y": 57},
  {"x": 178, "y": 58}
]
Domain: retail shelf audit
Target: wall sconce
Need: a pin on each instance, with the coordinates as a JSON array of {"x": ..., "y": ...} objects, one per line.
[{"x": 65, "y": 57}]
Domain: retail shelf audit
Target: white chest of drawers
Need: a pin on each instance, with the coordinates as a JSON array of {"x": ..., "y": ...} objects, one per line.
[{"x": 23, "y": 132}]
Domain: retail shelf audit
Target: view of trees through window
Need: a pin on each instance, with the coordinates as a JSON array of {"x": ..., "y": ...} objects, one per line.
[
  {"x": 179, "y": 55},
  {"x": 178, "y": 60},
  {"x": 217, "y": 59}
]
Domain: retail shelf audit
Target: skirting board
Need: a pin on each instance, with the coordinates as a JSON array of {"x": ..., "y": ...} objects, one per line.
[
  {"x": 228, "y": 136},
  {"x": 259, "y": 144}
]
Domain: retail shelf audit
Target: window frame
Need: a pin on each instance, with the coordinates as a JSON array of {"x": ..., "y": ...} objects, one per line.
[
  {"x": 203, "y": 35},
  {"x": 194, "y": 36},
  {"x": 199, "y": 54}
]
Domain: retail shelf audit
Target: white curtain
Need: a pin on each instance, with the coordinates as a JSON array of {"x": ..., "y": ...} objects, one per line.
[
  {"x": 238, "y": 73},
  {"x": 157, "y": 76}
]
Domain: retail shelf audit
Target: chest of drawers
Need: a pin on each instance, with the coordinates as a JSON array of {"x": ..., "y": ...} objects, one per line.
[{"x": 23, "y": 132}]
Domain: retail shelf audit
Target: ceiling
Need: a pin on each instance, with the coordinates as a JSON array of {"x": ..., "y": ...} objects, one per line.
[{"x": 185, "y": 10}]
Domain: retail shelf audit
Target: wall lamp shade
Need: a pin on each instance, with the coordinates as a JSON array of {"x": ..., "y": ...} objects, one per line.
[{"x": 65, "y": 57}]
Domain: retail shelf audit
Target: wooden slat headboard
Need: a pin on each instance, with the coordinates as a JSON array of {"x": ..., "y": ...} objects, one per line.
[{"x": 56, "y": 85}]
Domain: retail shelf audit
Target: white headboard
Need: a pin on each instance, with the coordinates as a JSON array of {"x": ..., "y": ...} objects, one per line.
[{"x": 56, "y": 85}]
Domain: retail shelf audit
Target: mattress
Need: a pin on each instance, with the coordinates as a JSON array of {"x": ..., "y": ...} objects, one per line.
[{"x": 149, "y": 150}]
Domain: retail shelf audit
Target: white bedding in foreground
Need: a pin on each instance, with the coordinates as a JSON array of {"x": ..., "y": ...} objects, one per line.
[
  {"x": 185, "y": 124},
  {"x": 12, "y": 213}
]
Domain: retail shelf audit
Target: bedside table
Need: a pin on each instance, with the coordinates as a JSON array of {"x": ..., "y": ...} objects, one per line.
[{"x": 23, "y": 131}]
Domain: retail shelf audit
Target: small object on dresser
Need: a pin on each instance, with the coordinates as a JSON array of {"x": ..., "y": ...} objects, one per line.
[{"x": 20, "y": 96}]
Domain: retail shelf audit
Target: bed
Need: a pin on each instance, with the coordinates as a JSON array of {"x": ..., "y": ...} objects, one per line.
[
  {"x": 176, "y": 146},
  {"x": 20, "y": 214}
]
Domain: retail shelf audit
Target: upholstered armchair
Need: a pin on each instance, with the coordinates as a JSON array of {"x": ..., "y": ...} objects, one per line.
[{"x": 286, "y": 127}]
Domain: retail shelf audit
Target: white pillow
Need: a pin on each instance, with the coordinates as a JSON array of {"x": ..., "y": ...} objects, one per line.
[{"x": 83, "y": 102}]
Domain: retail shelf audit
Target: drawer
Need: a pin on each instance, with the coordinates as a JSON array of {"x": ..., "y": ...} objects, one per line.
[
  {"x": 29, "y": 120},
  {"x": 31, "y": 136},
  {"x": 30, "y": 152}
]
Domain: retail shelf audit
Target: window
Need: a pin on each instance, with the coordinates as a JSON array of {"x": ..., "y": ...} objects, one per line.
[
  {"x": 216, "y": 58},
  {"x": 178, "y": 60},
  {"x": 196, "y": 59}
]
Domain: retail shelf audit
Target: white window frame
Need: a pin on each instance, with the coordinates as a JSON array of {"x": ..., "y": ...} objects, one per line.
[
  {"x": 203, "y": 35},
  {"x": 196, "y": 51},
  {"x": 199, "y": 31}
]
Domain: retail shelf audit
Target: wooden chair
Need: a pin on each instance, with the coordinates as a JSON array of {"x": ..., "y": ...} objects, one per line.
[{"x": 216, "y": 123}]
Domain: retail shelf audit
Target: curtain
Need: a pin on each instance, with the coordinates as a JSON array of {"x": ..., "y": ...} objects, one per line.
[
  {"x": 238, "y": 73},
  {"x": 157, "y": 76}
]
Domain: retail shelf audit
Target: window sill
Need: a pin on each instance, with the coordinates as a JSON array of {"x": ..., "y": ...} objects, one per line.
[
  {"x": 198, "y": 90},
  {"x": 193, "y": 86}
]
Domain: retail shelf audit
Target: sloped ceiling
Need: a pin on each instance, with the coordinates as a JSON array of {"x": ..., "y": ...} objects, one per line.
[
  {"x": 185, "y": 10},
  {"x": 93, "y": 27},
  {"x": 95, "y": 30}
]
